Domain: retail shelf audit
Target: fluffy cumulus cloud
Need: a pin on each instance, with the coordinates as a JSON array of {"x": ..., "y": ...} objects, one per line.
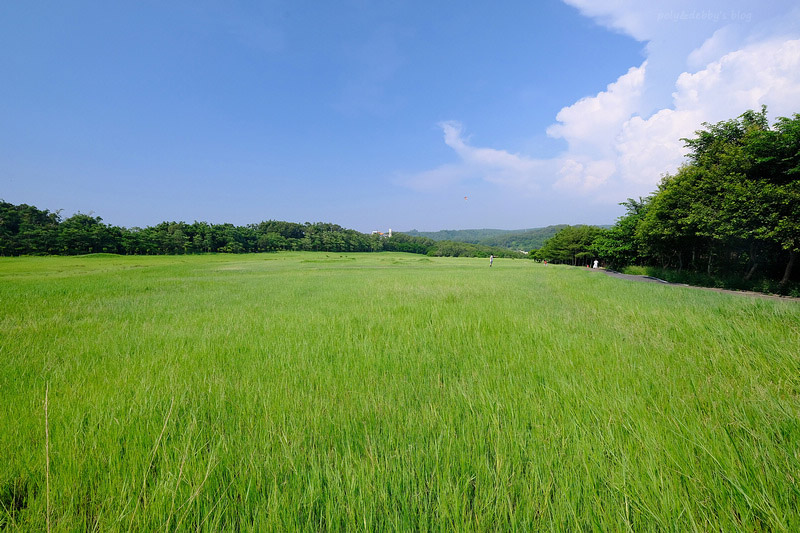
[
  {"x": 763, "y": 73},
  {"x": 703, "y": 65},
  {"x": 584, "y": 124},
  {"x": 767, "y": 72},
  {"x": 724, "y": 60}
]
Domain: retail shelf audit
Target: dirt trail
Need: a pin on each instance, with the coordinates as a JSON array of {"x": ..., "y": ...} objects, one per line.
[{"x": 650, "y": 279}]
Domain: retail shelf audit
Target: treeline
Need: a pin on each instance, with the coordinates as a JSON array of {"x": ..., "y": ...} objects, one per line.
[
  {"x": 27, "y": 230},
  {"x": 572, "y": 245},
  {"x": 526, "y": 239},
  {"x": 523, "y": 240},
  {"x": 732, "y": 211}
]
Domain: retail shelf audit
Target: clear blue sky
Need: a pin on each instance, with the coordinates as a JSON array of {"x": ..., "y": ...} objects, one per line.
[{"x": 373, "y": 114}]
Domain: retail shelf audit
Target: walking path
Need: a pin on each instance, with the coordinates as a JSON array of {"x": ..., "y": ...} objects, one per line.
[{"x": 651, "y": 279}]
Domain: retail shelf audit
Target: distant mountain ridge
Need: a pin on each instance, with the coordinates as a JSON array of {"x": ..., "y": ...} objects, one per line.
[{"x": 522, "y": 239}]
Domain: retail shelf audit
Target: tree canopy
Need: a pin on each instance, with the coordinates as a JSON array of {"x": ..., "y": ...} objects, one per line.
[
  {"x": 732, "y": 209},
  {"x": 27, "y": 230},
  {"x": 573, "y": 245}
]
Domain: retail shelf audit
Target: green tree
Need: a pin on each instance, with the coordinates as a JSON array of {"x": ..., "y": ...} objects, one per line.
[
  {"x": 619, "y": 246},
  {"x": 734, "y": 203},
  {"x": 776, "y": 156},
  {"x": 83, "y": 234},
  {"x": 24, "y": 229},
  {"x": 572, "y": 245}
]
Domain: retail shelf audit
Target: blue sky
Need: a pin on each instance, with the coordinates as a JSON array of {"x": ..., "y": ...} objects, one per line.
[{"x": 373, "y": 114}]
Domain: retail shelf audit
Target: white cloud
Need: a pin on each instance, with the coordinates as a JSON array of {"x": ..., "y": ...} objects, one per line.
[
  {"x": 585, "y": 124},
  {"x": 494, "y": 165},
  {"x": 489, "y": 164},
  {"x": 620, "y": 141},
  {"x": 587, "y": 176},
  {"x": 703, "y": 65},
  {"x": 716, "y": 46},
  {"x": 589, "y": 126},
  {"x": 648, "y": 149},
  {"x": 673, "y": 20},
  {"x": 765, "y": 73}
]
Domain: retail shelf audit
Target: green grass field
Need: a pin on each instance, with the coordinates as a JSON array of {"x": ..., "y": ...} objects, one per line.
[{"x": 318, "y": 392}]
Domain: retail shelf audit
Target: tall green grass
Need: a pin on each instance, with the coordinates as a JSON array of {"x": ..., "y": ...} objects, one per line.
[{"x": 305, "y": 391}]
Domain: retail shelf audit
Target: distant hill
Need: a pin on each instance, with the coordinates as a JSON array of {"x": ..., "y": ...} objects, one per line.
[{"x": 522, "y": 239}]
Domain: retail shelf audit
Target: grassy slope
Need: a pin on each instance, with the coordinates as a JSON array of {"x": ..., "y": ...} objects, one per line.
[{"x": 326, "y": 391}]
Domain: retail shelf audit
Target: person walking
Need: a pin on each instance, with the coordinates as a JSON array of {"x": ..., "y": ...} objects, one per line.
[{"x": 491, "y": 260}]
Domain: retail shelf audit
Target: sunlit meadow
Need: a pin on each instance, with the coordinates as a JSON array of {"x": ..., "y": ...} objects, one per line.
[{"x": 369, "y": 392}]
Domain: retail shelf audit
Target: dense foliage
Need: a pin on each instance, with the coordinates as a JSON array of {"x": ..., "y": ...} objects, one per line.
[
  {"x": 572, "y": 245},
  {"x": 27, "y": 230},
  {"x": 731, "y": 212},
  {"x": 527, "y": 239}
]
